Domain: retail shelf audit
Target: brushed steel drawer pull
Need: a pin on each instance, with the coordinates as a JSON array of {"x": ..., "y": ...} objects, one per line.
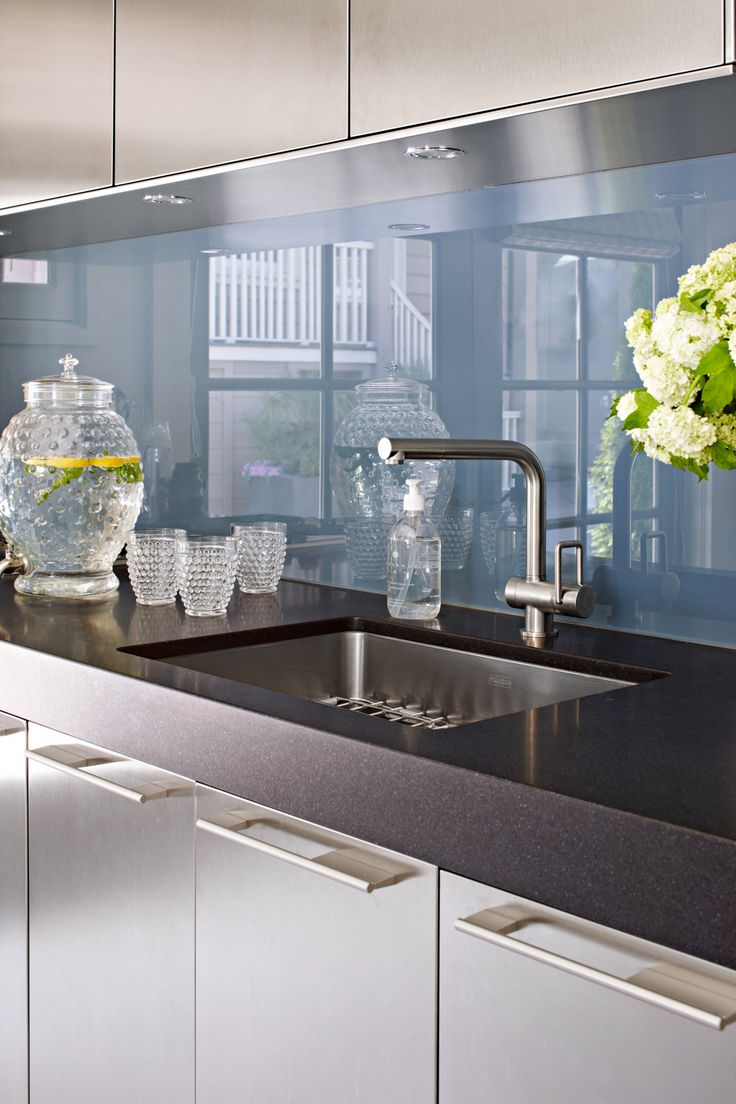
[
  {"x": 69, "y": 760},
  {"x": 345, "y": 865},
  {"x": 665, "y": 985}
]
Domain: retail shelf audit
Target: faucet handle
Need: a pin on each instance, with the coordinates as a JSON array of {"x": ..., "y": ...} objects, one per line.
[{"x": 577, "y": 600}]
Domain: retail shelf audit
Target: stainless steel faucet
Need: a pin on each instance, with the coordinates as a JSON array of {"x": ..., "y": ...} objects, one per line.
[{"x": 539, "y": 598}]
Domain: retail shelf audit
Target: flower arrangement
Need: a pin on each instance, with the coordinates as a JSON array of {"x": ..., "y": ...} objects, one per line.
[
  {"x": 259, "y": 469},
  {"x": 685, "y": 414}
]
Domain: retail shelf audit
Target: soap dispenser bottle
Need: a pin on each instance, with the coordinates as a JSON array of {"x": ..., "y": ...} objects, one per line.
[{"x": 413, "y": 569}]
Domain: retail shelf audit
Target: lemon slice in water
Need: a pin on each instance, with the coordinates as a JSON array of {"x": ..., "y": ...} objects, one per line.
[{"x": 63, "y": 462}]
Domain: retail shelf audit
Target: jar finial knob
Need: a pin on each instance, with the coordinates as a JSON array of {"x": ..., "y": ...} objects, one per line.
[
  {"x": 391, "y": 369},
  {"x": 68, "y": 364}
]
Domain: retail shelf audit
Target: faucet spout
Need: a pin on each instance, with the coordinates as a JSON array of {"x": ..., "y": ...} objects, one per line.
[{"x": 539, "y": 598}]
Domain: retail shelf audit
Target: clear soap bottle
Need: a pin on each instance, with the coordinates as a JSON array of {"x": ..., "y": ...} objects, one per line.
[{"x": 413, "y": 569}]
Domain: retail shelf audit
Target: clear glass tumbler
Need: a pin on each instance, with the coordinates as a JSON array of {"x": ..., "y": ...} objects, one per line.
[
  {"x": 366, "y": 544},
  {"x": 456, "y": 534},
  {"x": 206, "y": 574},
  {"x": 152, "y": 565},
  {"x": 261, "y": 555}
]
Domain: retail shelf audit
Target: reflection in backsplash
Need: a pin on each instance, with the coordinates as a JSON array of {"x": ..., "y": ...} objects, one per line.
[{"x": 236, "y": 351}]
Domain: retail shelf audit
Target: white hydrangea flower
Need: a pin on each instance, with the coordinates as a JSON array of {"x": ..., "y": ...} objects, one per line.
[
  {"x": 663, "y": 378},
  {"x": 718, "y": 270},
  {"x": 683, "y": 336},
  {"x": 639, "y": 331},
  {"x": 681, "y": 432},
  {"x": 732, "y": 345},
  {"x": 725, "y": 425},
  {"x": 626, "y": 405},
  {"x": 721, "y": 309},
  {"x": 641, "y": 436}
]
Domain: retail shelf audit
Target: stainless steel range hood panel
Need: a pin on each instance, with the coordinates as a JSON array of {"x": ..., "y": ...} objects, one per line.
[{"x": 642, "y": 125}]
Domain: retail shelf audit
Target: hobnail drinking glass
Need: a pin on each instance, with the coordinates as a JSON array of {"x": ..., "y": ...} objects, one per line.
[
  {"x": 366, "y": 544},
  {"x": 456, "y": 534},
  {"x": 206, "y": 574},
  {"x": 152, "y": 565},
  {"x": 261, "y": 555}
]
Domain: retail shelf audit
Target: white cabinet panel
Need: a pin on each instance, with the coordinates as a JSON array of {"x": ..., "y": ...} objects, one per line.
[
  {"x": 518, "y": 1030},
  {"x": 201, "y": 84},
  {"x": 419, "y": 60},
  {"x": 310, "y": 988},
  {"x": 13, "y": 923},
  {"x": 111, "y": 903}
]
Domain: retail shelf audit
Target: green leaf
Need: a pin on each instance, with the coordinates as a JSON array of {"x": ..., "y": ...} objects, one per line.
[
  {"x": 716, "y": 360},
  {"x": 723, "y": 456},
  {"x": 701, "y": 470},
  {"x": 695, "y": 302},
  {"x": 719, "y": 390},
  {"x": 636, "y": 446},
  {"x": 614, "y": 407},
  {"x": 700, "y": 298},
  {"x": 645, "y": 405}
]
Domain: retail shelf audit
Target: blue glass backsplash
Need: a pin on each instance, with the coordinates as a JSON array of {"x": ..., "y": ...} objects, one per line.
[{"x": 236, "y": 350}]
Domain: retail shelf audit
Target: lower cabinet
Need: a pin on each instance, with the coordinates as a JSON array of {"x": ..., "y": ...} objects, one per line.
[
  {"x": 316, "y": 963},
  {"x": 13, "y": 919},
  {"x": 537, "y": 1007},
  {"x": 111, "y": 936}
]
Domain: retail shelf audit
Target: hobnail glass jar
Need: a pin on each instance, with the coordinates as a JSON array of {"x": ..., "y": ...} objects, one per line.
[
  {"x": 71, "y": 485},
  {"x": 363, "y": 485}
]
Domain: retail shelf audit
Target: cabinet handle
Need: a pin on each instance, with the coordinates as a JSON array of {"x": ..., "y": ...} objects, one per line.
[
  {"x": 69, "y": 761},
  {"x": 341, "y": 865},
  {"x": 669, "y": 987}
]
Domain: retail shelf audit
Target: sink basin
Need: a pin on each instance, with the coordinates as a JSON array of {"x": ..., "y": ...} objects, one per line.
[{"x": 365, "y": 667}]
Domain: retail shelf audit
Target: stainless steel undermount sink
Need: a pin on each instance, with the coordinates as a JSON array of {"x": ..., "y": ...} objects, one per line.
[{"x": 357, "y": 665}]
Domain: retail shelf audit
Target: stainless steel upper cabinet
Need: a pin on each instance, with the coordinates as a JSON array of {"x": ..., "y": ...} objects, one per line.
[
  {"x": 56, "y": 98},
  {"x": 13, "y": 921},
  {"x": 536, "y": 1005},
  {"x": 111, "y": 905},
  {"x": 316, "y": 963},
  {"x": 417, "y": 60},
  {"x": 202, "y": 84}
]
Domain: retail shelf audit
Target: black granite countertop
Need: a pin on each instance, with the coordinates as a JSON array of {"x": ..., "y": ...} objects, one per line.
[{"x": 618, "y": 807}]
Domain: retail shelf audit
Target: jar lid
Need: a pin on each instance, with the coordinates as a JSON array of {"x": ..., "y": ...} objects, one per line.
[
  {"x": 68, "y": 387},
  {"x": 392, "y": 388}
]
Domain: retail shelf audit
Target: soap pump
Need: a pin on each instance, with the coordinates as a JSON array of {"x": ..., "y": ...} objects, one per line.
[{"x": 413, "y": 569}]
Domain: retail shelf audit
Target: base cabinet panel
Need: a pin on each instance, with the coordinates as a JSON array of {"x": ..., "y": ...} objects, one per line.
[
  {"x": 310, "y": 989},
  {"x": 13, "y": 920},
  {"x": 517, "y": 1030},
  {"x": 111, "y": 896}
]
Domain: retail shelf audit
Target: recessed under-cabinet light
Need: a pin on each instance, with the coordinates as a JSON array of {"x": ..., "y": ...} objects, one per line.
[
  {"x": 434, "y": 153},
  {"x": 170, "y": 200},
  {"x": 408, "y": 227},
  {"x": 5, "y": 233},
  {"x": 214, "y": 252},
  {"x": 678, "y": 197}
]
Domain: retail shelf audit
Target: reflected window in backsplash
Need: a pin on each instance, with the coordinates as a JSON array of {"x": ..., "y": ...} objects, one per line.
[
  {"x": 235, "y": 352},
  {"x": 282, "y": 373}
]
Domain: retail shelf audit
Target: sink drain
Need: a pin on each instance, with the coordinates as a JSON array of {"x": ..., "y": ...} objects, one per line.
[{"x": 407, "y": 714}]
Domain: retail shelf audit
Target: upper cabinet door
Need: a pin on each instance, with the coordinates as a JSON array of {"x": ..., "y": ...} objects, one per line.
[
  {"x": 56, "y": 98},
  {"x": 419, "y": 60},
  {"x": 201, "y": 84}
]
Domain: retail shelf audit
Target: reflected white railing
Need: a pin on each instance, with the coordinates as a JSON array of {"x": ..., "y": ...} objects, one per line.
[
  {"x": 275, "y": 295},
  {"x": 412, "y": 332}
]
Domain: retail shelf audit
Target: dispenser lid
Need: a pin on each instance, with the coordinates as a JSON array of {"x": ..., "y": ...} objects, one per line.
[
  {"x": 414, "y": 499},
  {"x": 392, "y": 388},
  {"x": 68, "y": 387}
]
